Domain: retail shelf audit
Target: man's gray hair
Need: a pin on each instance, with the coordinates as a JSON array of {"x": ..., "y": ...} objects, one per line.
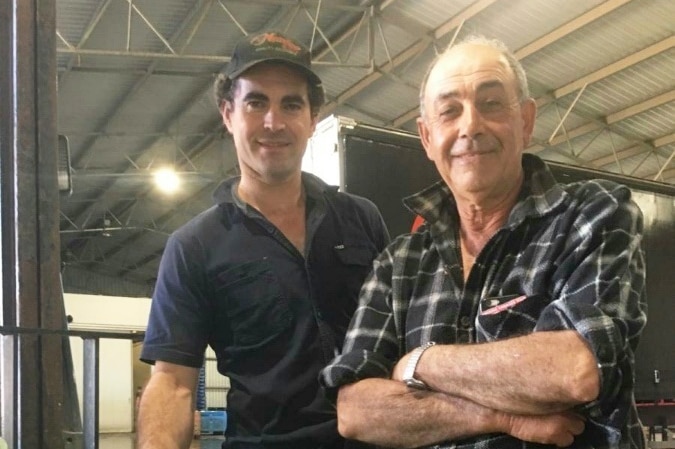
[{"x": 514, "y": 64}]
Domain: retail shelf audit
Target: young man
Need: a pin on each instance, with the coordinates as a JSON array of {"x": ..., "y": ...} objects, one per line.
[
  {"x": 269, "y": 277},
  {"x": 510, "y": 319}
]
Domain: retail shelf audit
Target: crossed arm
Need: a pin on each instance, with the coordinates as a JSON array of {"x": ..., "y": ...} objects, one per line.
[
  {"x": 540, "y": 373},
  {"x": 166, "y": 409},
  {"x": 517, "y": 386},
  {"x": 523, "y": 386}
]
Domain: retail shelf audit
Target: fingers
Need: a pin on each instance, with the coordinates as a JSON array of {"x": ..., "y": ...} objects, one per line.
[
  {"x": 564, "y": 428},
  {"x": 573, "y": 425},
  {"x": 558, "y": 429},
  {"x": 577, "y": 425}
]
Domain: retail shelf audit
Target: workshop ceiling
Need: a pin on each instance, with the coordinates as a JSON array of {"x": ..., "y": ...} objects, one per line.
[{"x": 134, "y": 94}]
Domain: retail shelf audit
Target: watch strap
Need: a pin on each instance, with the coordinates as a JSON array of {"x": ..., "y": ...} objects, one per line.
[{"x": 410, "y": 367}]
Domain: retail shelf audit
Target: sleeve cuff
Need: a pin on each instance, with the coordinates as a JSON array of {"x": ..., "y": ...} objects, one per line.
[{"x": 354, "y": 366}]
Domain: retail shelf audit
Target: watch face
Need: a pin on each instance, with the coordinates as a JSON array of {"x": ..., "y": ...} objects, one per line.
[{"x": 414, "y": 383}]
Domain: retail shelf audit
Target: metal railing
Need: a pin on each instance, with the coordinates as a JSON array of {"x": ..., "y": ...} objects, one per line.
[{"x": 90, "y": 388}]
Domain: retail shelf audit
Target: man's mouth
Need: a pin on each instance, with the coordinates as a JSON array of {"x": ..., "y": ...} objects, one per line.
[
  {"x": 471, "y": 153},
  {"x": 272, "y": 143}
]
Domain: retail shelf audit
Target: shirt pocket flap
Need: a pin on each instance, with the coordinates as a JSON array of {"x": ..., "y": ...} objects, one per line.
[{"x": 355, "y": 255}]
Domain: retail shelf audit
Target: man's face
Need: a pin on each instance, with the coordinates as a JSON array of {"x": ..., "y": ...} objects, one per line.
[
  {"x": 475, "y": 127},
  {"x": 270, "y": 121}
]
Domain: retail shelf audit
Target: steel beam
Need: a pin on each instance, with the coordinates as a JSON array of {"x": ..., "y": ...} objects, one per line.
[
  {"x": 31, "y": 289},
  {"x": 90, "y": 394}
]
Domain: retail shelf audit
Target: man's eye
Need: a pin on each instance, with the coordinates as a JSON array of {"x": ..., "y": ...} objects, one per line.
[
  {"x": 449, "y": 112},
  {"x": 293, "y": 106},
  {"x": 255, "y": 105},
  {"x": 493, "y": 105}
]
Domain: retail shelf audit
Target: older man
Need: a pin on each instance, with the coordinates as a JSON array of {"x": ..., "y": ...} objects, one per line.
[
  {"x": 268, "y": 277},
  {"x": 510, "y": 319}
]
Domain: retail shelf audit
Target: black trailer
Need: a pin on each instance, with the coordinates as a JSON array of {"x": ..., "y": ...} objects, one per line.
[{"x": 386, "y": 165}]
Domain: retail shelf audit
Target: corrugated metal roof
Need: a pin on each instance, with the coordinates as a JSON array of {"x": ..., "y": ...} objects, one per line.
[{"x": 135, "y": 92}]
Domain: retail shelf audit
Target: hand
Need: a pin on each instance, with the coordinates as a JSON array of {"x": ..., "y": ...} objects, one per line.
[{"x": 557, "y": 428}]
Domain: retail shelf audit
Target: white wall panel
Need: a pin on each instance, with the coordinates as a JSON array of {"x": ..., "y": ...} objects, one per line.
[{"x": 116, "y": 395}]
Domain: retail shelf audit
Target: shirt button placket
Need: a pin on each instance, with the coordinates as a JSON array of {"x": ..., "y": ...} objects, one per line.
[{"x": 464, "y": 334}]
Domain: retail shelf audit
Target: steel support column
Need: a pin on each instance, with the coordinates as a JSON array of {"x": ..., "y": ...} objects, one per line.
[
  {"x": 90, "y": 393},
  {"x": 31, "y": 383}
]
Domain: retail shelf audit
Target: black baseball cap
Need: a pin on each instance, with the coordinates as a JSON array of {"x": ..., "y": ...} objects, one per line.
[{"x": 270, "y": 46}]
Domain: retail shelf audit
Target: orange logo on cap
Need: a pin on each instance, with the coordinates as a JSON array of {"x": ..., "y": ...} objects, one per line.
[{"x": 274, "y": 38}]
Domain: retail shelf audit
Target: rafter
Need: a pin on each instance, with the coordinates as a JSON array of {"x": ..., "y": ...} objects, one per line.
[
  {"x": 333, "y": 45},
  {"x": 570, "y": 27},
  {"x": 604, "y": 123},
  {"x": 609, "y": 70},
  {"x": 414, "y": 49}
]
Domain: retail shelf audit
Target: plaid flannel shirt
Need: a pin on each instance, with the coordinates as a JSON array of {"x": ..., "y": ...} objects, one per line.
[{"x": 570, "y": 254}]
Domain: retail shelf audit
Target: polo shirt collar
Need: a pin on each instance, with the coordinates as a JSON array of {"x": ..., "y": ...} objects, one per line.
[{"x": 226, "y": 191}]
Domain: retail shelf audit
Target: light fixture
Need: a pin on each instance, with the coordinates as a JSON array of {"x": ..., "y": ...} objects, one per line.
[
  {"x": 106, "y": 228},
  {"x": 167, "y": 180}
]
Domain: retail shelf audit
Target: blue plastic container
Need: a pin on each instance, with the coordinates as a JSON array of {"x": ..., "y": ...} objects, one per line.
[{"x": 213, "y": 422}]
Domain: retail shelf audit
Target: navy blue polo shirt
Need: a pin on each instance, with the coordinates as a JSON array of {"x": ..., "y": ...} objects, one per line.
[{"x": 274, "y": 317}]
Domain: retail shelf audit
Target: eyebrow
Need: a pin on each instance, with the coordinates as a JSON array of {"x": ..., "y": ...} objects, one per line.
[
  {"x": 491, "y": 85},
  {"x": 255, "y": 96},
  {"x": 486, "y": 85},
  {"x": 294, "y": 98}
]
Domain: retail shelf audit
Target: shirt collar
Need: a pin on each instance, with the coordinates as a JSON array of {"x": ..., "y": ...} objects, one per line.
[
  {"x": 226, "y": 191},
  {"x": 540, "y": 194}
]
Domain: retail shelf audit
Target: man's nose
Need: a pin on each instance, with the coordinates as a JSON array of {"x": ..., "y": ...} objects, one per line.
[
  {"x": 274, "y": 119},
  {"x": 471, "y": 122}
]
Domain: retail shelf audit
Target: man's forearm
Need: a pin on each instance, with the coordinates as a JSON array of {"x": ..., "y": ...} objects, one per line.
[
  {"x": 388, "y": 413},
  {"x": 166, "y": 417},
  {"x": 540, "y": 373}
]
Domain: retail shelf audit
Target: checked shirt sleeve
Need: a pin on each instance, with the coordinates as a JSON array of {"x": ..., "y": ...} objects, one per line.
[
  {"x": 599, "y": 290},
  {"x": 371, "y": 347}
]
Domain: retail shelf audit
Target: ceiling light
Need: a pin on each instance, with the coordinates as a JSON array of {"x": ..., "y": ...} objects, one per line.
[
  {"x": 167, "y": 180},
  {"x": 106, "y": 226}
]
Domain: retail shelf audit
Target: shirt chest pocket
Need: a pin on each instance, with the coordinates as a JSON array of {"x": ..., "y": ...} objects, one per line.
[
  {"x": 508, "y": 316},
  {"x": 250, "y": 297}
]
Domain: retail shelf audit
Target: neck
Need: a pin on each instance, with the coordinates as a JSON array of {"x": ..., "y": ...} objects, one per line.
[
  {"x": 272, "y": 197},
  {"x": 479, "y": 222}
]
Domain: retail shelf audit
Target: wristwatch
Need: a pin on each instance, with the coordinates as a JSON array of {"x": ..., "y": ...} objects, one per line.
[{"x": 409, "y": 371}]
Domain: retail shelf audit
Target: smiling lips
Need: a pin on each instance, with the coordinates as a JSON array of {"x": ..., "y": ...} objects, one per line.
[
  {"x": 273, "y": 143},
  {"x": 470, "y": 153}
]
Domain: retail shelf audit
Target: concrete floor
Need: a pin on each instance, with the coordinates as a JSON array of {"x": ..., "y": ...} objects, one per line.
[{"x": 127, "y": 440}]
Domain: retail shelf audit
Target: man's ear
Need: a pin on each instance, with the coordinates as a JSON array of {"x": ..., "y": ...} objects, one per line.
[
  {"x": 225, "y": 113},
  {"x": 315, "y": 121},
  {"x": 423, "y": 131},
  {"x": 528, "y": 111}
]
